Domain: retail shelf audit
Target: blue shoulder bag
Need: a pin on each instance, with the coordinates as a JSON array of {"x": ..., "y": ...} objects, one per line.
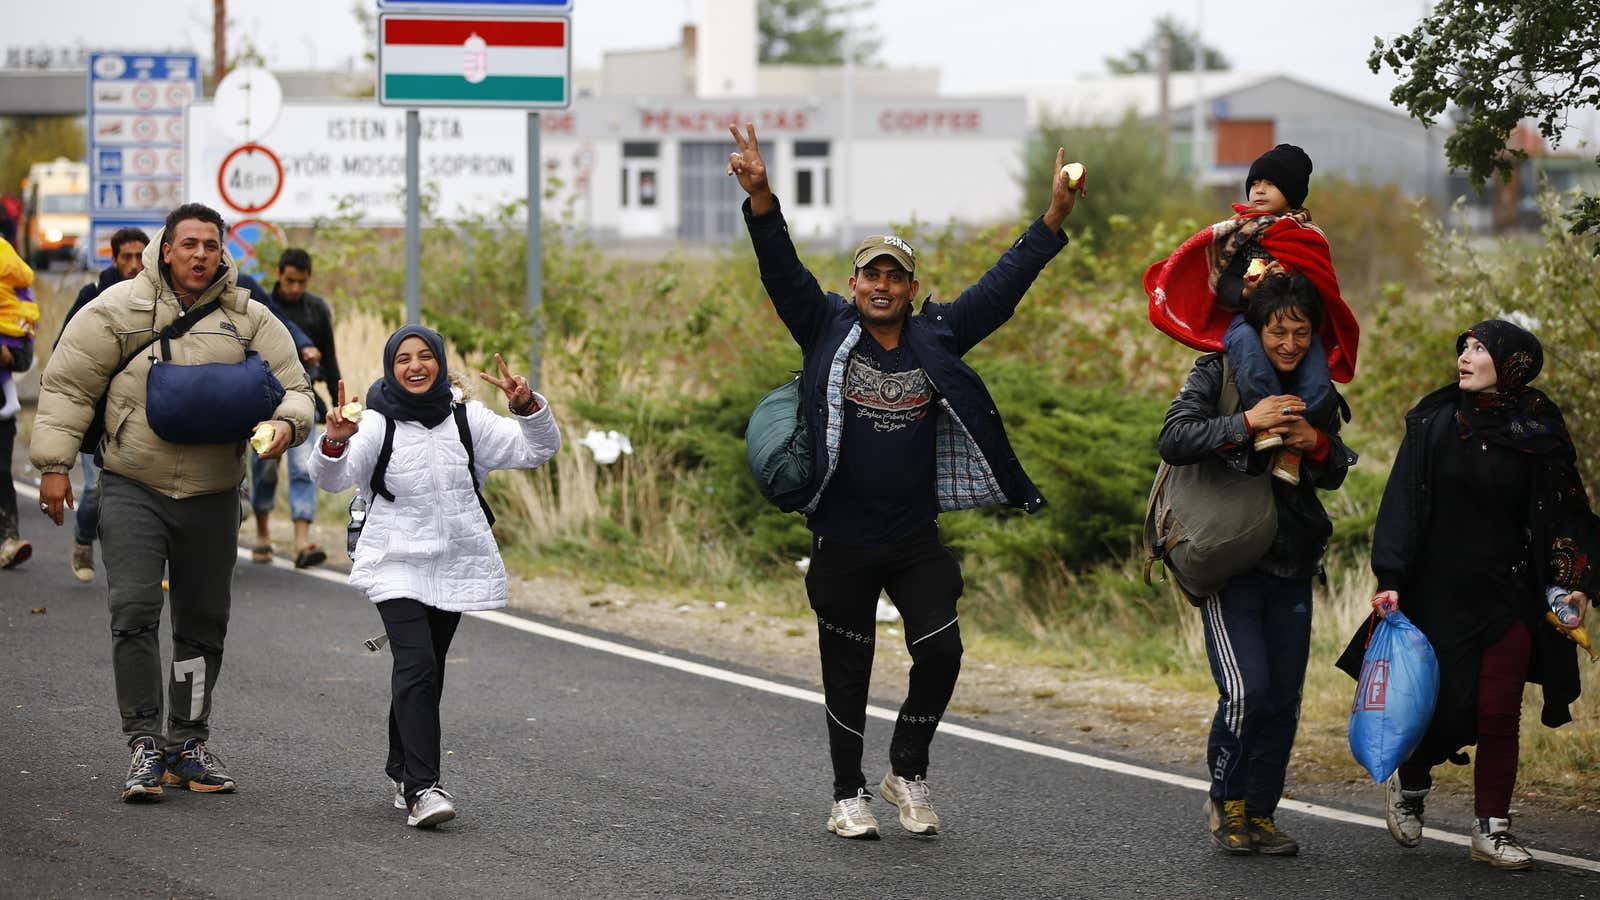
[{"x": 210, "y": 403}]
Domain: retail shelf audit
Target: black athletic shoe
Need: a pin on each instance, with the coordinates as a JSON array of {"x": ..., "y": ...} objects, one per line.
[
  {"x": 195, "y": 768},
  {"x": 144, "y": 772}
]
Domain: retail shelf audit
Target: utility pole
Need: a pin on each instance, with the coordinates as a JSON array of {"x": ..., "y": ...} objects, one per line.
[
  {"x": 1197, "y": 112},
  {"x": 1163, "y": 88},
  {"x": 219, "y": 41}
]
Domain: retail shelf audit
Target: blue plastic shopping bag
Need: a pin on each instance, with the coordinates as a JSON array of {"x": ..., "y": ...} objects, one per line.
[{"x": 1395, "y": 698}]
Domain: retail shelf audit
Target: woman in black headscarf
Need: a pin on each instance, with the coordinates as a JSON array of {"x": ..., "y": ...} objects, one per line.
[
  {"x": 1484, "y": 524},
  {"x": 426, "y": 553}
]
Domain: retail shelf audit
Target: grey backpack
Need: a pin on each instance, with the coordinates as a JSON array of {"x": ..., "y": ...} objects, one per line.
[{"x": 1206, "y": 522}]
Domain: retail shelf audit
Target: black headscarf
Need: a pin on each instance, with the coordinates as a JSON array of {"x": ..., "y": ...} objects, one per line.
[
  {"x": 390, "y": 398},
  {"x": 1514, "y": 414}
]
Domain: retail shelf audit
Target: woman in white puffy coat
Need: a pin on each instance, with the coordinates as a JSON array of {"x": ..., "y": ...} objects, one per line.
[{"x": 426, "y": 553}]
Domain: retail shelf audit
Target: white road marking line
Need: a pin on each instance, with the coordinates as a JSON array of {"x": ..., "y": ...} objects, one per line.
[{"x": 888, "y": 715}]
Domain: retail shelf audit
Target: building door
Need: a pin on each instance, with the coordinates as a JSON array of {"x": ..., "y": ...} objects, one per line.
[
  {"x": 1240, "y": 141},
  {"x": 708, "y": 199}
]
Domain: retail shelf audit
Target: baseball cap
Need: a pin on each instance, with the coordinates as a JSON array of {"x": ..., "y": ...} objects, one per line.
[{"x": 888, "y": 245}]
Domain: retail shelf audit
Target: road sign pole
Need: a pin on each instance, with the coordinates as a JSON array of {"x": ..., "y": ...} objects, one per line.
[
  {"x": 413, "y": 220},
  {"x": 535, "y": 253}
]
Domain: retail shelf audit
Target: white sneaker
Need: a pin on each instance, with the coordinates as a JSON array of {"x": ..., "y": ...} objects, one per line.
[
  {"x": 433, "y": 807},
  {"x": 1402, "y": 810},
  {"x": 1493, "y": 843},
  {"x": 851, "y": 817},
  {"x": 916, "y": 812},
  {"x": 399, "y": 795}
]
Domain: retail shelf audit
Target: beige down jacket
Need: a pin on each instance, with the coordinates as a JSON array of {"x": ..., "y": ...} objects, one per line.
[{"x": 122, "y": 318}]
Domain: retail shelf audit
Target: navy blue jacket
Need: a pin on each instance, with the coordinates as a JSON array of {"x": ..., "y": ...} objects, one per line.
[{"x": 975, "y": 464}]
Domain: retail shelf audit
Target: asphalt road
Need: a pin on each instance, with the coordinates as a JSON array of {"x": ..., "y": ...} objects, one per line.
[{"x": 581, "y": 773}]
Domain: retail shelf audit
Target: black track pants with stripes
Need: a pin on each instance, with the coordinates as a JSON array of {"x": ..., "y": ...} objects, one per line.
[
  {"x": 1258, "y": 636},
  {"x": 923, "y": 579}
]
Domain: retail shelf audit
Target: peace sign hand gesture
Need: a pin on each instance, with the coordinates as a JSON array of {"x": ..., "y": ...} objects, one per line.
[
  {"x": 747, "y": 165},
  {"x": 518, "y": 395}
]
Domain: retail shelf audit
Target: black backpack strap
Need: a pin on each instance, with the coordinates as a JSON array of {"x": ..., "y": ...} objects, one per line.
[
  {"x": 381, "y": 467},
  {"x": 181, "y": 325},
  {"x": 460, "y": 412}
]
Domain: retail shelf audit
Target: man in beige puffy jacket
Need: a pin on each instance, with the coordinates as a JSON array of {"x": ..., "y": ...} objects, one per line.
[{"x": 166, "y": 509}]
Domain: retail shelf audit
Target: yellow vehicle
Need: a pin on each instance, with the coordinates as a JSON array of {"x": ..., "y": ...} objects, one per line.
[{"x": 55, "y": 217}]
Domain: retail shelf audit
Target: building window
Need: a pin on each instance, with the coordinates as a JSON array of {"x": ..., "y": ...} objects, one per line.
[
  {"x": 640, "y": 173},
  {"x": 811, "y": 172},
  {"x": 802, "y": 187}
]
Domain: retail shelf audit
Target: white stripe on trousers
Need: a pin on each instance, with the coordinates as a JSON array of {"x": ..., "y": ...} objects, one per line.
[
  {"x": 843, "y": 725},
  {"x": 1232, "y": 679},
  {"x": 935, "y": 631}
]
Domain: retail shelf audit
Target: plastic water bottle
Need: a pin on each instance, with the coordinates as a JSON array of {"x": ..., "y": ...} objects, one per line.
[
  {"x": 1566, "y": 613},
  {"x": 358, "y": 518}
]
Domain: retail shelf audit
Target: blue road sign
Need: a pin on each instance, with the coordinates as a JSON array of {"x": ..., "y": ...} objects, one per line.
[
  {"x": 136, "y": 140},
  {"x": 108, "y": 161}
]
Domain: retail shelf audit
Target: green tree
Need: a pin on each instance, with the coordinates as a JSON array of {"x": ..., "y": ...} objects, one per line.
[
  {"x": 816, "y": 32},
  {"x": 27, "y": 140},
  {"x": 1183, "y": 40},
  {"x": 1498, "y": 64},
  {"x": 1128, "y": 173}
]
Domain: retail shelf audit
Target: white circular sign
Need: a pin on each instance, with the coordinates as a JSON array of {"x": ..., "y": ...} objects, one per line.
[
  {"x": 248, "y": 102},
  {"x": 110, "y": 67},
  {"x": 250, "y": 178}
]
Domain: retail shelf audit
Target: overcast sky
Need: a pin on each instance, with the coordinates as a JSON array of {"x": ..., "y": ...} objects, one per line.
[{"x": 980, "y": 47}]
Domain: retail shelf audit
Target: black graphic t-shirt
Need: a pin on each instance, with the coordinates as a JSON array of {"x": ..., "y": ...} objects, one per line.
[{"x": 883, "y": 488}]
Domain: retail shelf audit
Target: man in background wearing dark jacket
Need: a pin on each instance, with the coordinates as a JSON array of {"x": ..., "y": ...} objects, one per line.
[
  {"x": 127, "y": 260},
  {"x": 311, "y": 315},
  {"x": 902, "y": 430}
]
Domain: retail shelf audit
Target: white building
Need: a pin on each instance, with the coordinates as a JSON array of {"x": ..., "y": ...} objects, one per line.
[
  {"x": 642, "y": 152},
  {"x": 644, "y": 148}
]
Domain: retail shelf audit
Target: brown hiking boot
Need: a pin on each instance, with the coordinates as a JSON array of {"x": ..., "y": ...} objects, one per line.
[
  {"x": 1229, "y": 830},
  {"x": 1268, "y": 839}
]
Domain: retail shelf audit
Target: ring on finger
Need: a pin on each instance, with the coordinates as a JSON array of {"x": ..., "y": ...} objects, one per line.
[{"x": 1288, "y": 411}]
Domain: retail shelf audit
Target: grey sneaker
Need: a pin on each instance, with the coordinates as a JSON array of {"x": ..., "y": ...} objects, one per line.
[
  {"x": 399, "y": 795},
  {"x": 1402, "y": 811},
  {"x": 916, "y": 812},
  {"x": 1493, "y": 843},
  {"x": 14, "y": 551},
  {"x": 852, "y": 817},
  {"x": 83, "y": 562},
  {"x": 145, "y": 769},
  {"x": 433, "y": 807}
]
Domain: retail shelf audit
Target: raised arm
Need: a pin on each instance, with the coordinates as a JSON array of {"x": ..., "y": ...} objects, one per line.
[
  {"x": 987, "y": 305},
  {"x": 798, "y": 298}
]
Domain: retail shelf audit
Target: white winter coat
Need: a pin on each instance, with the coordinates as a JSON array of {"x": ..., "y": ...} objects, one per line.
[{"x": 433, "y": 544}]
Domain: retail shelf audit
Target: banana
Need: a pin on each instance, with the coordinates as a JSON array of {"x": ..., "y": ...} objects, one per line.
[{"x": 1578, "y": 635}]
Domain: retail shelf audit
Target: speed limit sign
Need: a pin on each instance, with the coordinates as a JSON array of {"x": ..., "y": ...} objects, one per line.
[{"x": 250, "y": 178}]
